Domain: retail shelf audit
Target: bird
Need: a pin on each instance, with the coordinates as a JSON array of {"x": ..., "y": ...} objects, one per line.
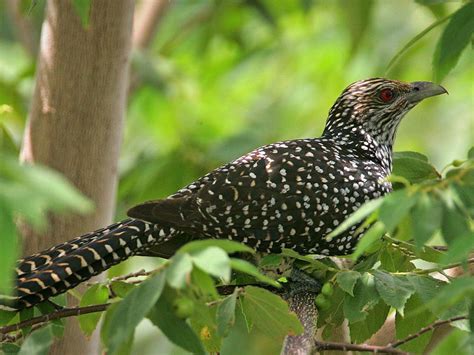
[{"x": 290, "y": 194}]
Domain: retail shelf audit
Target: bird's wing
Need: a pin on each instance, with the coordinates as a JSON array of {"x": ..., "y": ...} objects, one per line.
[{"x": 270, "y": 187}]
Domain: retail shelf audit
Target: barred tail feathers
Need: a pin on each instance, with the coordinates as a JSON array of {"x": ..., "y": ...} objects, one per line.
[
  {"x": 78, "y": 264},
  {"x": 33, "y": 262}
]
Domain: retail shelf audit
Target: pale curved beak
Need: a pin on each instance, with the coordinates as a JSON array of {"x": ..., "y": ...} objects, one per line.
[{"x": 420, "y": 90}]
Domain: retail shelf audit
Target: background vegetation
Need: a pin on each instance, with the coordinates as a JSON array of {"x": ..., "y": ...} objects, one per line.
[{"x": 223, "y": 77}]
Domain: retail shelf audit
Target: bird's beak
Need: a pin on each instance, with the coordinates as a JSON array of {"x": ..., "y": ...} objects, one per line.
[{"x": 420, "y": 90}]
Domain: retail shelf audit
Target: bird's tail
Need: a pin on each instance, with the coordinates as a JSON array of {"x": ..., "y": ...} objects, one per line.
[{"x": 66, "y": 265}]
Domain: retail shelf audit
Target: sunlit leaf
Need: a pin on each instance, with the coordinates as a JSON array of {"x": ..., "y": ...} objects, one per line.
[
  {"x": 214, "y": 261},
  {"x": 178, "y": 273}
]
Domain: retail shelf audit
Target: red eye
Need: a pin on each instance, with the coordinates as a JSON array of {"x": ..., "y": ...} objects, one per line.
[{"x": 386, "y": 95}]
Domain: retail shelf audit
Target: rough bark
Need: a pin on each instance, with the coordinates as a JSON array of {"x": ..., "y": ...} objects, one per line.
[{"x": 76, "y": 119}]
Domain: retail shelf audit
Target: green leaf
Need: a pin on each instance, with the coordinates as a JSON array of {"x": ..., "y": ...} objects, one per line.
[
  {"x": 226, "y": 314},
  {"x": 365, "y": 298},
  {"x": 458, "y": 290},
  {"x": 83, "y": 8},
  {"x": 454, "y": 39},
  {"x": 395, "y": 207},
  {"x": 426, "y": 218},
  {"x": 426, "y": 287},
  {"x": 9, "y": 348},
  {"x": 365, "y": 210},
  {"x": 394, "y": 290},
  {"x": 411, "y": 323},
  {"x": 311, "y": 260},
  {"x": 6, "y": 316},
  {"x": 214, "y": 261},
  {"x": 203, "y": 321},
  {"x": 9, "y": 250},
  {"x": 176, "y": 329},
  {"x": 347, "y": 280},
  {"x": 361, "y": 331},
  {"x": 414, "y": 170},
  {"x": 22, "y": 191},
  {"x": 269, "y": 313},
  {"x": 374, "y": 233},
  {"x": 97, "y": 294},
  {"x": 271, "y": 260},
  {"x": 459, "y": 249},
  {"x": 470, "y": 153},
  {"x": 333, "y": 316},
  {"x": 249, "y": 269},
  {"x": 456, "y": 342},
  {"x": 38, "y": 342},
  {"x": 410, "y": 155},
  {"x": 228, "y": 245},
  {"x": 204, "y": 282},
  {"x": 130, "y": 311},
  {"x": 179, "y": 272},
  {"x": 393, "y": 259},
  {"x": 121, "y": 288},
  {"x": 454, "y": 224}
]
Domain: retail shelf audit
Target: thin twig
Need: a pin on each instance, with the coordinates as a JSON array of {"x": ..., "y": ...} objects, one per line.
[
  {"x": 140, "y": 273},
  {"x": 435, "y": 269},
  {"x": 63, "y": 313},
  {"x": 432, "y": 326},
  {"x": 327, "y": 345}
]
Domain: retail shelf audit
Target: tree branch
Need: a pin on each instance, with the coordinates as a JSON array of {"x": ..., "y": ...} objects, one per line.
[
  {"x": 59, "y": 314},
  {"x": 325, "y": 345},
  {"x": 429, "y": 327}
]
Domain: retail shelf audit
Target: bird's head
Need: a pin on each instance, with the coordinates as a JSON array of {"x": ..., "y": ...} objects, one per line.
[{"x": 375, "y": 107}]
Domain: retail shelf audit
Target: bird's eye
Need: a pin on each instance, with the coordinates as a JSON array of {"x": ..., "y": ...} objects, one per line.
[{"x": 386, "y": 95}]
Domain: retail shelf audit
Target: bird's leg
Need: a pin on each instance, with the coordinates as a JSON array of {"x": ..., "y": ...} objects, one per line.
[{"x": 300, "y": 282}]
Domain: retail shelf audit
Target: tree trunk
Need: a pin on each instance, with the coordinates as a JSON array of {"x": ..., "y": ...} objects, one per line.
[{"x": 76, "y": 119}]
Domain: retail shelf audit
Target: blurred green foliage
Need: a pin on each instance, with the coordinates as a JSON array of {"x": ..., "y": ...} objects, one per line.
[{"x": 225, "y": 76}]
